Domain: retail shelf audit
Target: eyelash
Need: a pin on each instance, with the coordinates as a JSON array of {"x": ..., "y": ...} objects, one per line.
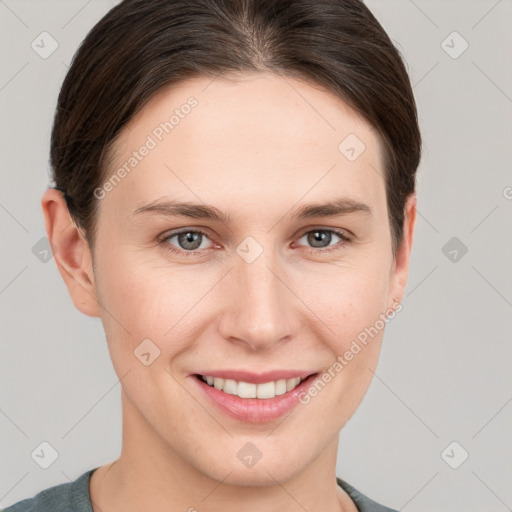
[{"x": 164, "y": 240}]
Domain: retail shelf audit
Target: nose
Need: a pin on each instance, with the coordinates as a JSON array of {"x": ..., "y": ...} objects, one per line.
[{"x": 260, "y": 308}]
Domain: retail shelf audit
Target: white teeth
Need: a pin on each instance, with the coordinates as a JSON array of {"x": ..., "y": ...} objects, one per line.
[
  {"x": 266, "y": 390},
  {"x": 229, "y": 386},
  {"x": 246, "y": 390},
  {"x": 250, "y": 390},
  {"x": 280, "y": 387},
  {"x": 292, "y": 383}
]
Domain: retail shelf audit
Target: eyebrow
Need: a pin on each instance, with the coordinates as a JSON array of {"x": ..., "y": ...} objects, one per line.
[{"x": 336, "y": 207}]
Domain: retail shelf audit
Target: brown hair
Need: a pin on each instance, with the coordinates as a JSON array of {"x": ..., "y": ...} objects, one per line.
[{"x": 139, "y": 46}]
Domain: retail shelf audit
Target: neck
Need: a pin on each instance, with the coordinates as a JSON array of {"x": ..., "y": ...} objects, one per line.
[{"x": 150, "y": 475}]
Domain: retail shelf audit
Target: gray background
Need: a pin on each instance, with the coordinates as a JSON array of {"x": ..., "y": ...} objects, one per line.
[{"x": 444, "y": 373}]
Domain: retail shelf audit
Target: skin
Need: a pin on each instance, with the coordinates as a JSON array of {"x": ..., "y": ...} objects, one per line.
[{"x": 255, "y": 148}]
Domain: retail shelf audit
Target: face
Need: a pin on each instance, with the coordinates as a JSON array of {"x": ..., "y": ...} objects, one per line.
[{"x": 266, "y": 284}]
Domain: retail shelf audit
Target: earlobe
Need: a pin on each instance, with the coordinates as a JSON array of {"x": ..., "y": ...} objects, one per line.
[
  {"x": 403, "y": 253},
  {"x": 72, "y": 254}
]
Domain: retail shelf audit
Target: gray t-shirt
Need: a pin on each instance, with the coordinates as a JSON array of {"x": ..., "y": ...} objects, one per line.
[{"x": 74, "y": 497}]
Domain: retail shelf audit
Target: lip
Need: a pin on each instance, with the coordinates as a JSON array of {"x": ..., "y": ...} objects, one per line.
[
  {"x": 253, "y": 410},
  {"x": 256, "y": 378}
]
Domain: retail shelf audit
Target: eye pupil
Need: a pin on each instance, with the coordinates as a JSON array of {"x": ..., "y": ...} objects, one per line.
[
  {"x": 189, "y": 237},
  {"x": 316, "y": 238},
  {"x": 190, "y": 241}
]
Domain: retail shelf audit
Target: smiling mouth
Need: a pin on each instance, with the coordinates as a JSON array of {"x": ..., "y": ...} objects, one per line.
[{"x": 264, "y": 390}]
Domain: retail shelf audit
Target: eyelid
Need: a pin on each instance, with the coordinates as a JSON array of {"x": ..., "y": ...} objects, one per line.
[
  {"x": 345, "y": 235},
  {"x": 339, "y": 231},
  {"x": 162, "y": 240}
]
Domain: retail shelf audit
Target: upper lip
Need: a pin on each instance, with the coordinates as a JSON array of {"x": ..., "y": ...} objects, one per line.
[{"x": 256, "y": 378}]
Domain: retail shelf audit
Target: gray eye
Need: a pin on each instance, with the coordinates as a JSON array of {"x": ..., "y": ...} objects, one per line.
[
  {"x": 320, "y": 238},
  {"x": 188, "y": 240}
]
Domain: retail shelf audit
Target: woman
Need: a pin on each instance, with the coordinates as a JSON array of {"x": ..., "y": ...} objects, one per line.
[{"x": 235, "y": 198}]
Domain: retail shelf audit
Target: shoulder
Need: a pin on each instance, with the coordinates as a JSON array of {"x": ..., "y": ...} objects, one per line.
[
  {"x": 363, "y": 503},
  {"x": 59, "y": 498}
]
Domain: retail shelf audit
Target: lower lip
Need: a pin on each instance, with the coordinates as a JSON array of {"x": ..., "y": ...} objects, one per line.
[{"x": 255, "y": 410}]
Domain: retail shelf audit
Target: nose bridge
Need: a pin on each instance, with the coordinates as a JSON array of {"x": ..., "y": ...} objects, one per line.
[{"x": 259, "y": 310}]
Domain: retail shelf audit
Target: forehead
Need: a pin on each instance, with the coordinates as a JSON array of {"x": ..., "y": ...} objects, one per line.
[{"x": 259, "y": 136}]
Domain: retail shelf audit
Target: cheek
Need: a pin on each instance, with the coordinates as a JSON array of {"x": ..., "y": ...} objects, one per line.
[
  {"x": 145, "y": 299},
  {"x": 145, "y": 313},
  {"x": 349, "y": 300},
  {"x": 138, "y": 292},
  {"x": 351, "y": 308},
  {"x": 132, "y": 306},
  {"x": 149, "y": 299}
]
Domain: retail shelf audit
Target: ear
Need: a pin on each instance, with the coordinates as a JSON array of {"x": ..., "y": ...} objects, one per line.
[
  {"x": 400, "y": 269},
  {"x": 72, "y": 253}
]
